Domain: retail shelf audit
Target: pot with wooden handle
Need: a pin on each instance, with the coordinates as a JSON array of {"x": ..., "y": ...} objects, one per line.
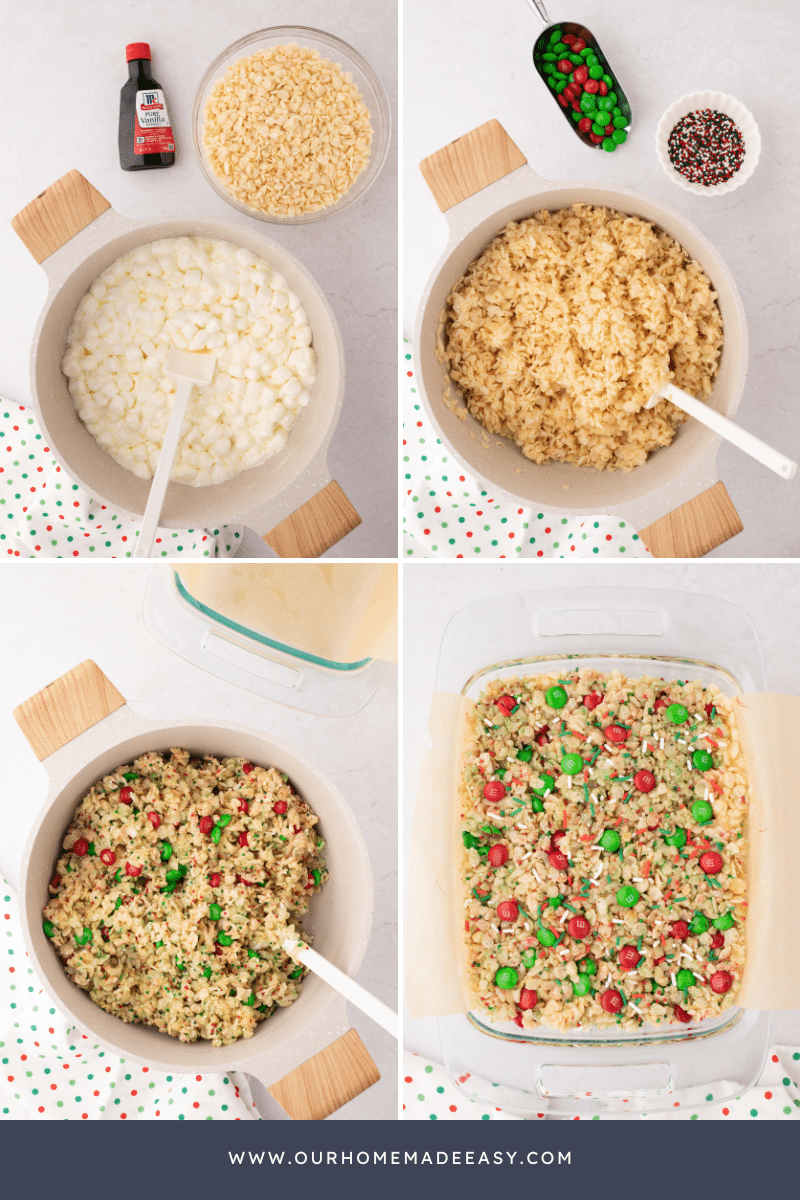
[
  {"x": 307, "y": 1055},
  {"x": 291, "y": 500},
  {"x": 675, "y": 501}
]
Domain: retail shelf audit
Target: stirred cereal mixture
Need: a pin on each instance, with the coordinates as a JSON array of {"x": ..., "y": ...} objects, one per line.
[
  {"x": 604, "y": 847},
  {"x": 568, "y": 323},
  {"x": 179, "y": 880},
  {"x": 286, "y": 130}
]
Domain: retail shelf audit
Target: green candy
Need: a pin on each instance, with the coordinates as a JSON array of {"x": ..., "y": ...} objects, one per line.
[
  {"x": 576, "y": 116},
  {"x": 571, "y": 764},
  {"x": 548, "y": 57},
  {"x": 703, "y": 760},
  {"x": 684, "y": 979},
  {"x": 698, "y": 924},
  {"x": 528, "y": 958},
  {"x": 604, "y": 103},
  {"x": 588, "y": 105},
  {"x": 702, "y": 812},
  {"x": 252, "y": 953},
  {"x": 296, "y": 974},
  {"x": 506, "y": 978},
  {"x": 619, "y": 136},
  {"x": 225, "y": 819},
  {"x": 537, "y": 804},
  {"x": 676, "y": 839},
  {"x": 586, "y": 52},
  {"x": 598, "y": 130},
  {"x": 224, "y": 939},
  {"x": 85, "y": 938},
  {"x": 595, "y": 70},
  {"x": 173, "y": 876},
  {"x": 525, "y": 754},
  {"x": 610, "y": 840},
  {"x": 613, "y": 98},
  {"x": 582, "y": 986},
  {"x": 677, "y": 714},
  {"x": 608, "y": 81},
  {"x": 216, "y": 834},
  {"x": 49, "y": 928},
  {"x": 317, "y": 877},
  {"x": 560, "y": 50},
  {"x": 587, "y": 966},
  {"x": 546, "y": 784},
  {"x": 159, "y": 945},
  {"x": 555, "y": 901},
  {"x": 556, "y": 697},
  {"x": 562, "y": 83},
  {"x": 546, "y": 937},
  {"x": 609, "y": 144},
  {"x": 555, "y": 36},
  {"x": 166, "y": 852},
  {"x": 91, "y": 851},
  {"x": 181, "y": 966},
  {"x": 470, "y": 841},
  {"x": 214, "y": 911},
  {"x": 628, "y": 896},
  {"x": 207, "y": 973},
  {"x": 129, "y": 776},
  {"x": 576, "y": 59},
  {"x": 724, "y": 922},
  {"x": 618, "y": 113},
  {"x": 251, "y": 999}
]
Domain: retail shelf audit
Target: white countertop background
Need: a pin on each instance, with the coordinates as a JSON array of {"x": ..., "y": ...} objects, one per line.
[
  {"x": 64, "y": 67},
  {"x": 54, "y": 615},
  {"x": 467, "y": 61},
  {"x": 433, "y": 593}
]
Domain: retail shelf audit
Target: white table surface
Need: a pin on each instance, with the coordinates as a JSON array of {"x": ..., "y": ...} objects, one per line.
[
  {"x": 57, "y": 614},
  {"x": 432, "y": 593},
  {"x": 64, "y": 67},
  {"x": 467, "y": 61}
]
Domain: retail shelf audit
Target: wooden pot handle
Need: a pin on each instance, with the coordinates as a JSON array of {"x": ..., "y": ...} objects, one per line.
[
  {"x": 58, "y": 213},
  {"x": 315, "y": 526},
  {"x": 471, "y": 163},
  {"x": 67, "y": 707},
  {"x": 328, "y": 1080},
  {"x": 696, "y": 527}
]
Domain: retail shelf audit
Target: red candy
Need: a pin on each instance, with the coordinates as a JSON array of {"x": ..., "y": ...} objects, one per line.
[
  {"x": 243, "y": 838},
  {"x": 247, "y": 767},
  {"x": 679, "y": 931},
  {"x": 576, "y": 104},
  {"x": 711, "y": 862},
  {"x": 130, "y": 869},
  {"x": 563, "y": 101},
  {"x": 507, "y": 910},
  {"x": 661, "y": 702},
  {"x": 681, "y": 1014},
  {"x": 597, "y": 138},
  {"x": 581, "y": 75},
  {"x": 569, "y": 39},
  {"x": 603, "y": 89},
  {"x": 498, "y": 854},
  {"x": 527, "y": 999},
  {"x": 126, "y": 795},
  {"x": 558, "y": 861},
  {"x": 541, "y": 738},
  {"x": 154, "y": 819},
  {"x": 720, "y": 982},
  {"x": 593, "y": 698},
  {"x": 717, "y": 941},
  {"x": 564, "y": 65},
  {"x": 592, "y": 85},
  {"x": 615, "y": 733},
  {"x": 629, "y": 957},
  {"x": 108, "y": 857},
  {"x": 644, "y": 780},
  {"x": 556, "y": 838},
  {"x": 206, "y": 824},
  {"x": 517, "y": 1020},
  {"x": 494, "y": 791},
  {"x": 611, "y": 1001},
  {"x": 578, "y": 45},
  {"x": 609, "y": 129},
  {"x": 579, "y": 928},
  {"x": 215, "y": 879},
  {"x": 80, "y": 847},
  {"x": 505, "y": 703},
  {"x": 244, "y": 806},
  {"x": 280, "y": 807}
]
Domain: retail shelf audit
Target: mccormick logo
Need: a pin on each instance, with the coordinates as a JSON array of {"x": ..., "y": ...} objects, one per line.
[{"x": 150, "y": 100}]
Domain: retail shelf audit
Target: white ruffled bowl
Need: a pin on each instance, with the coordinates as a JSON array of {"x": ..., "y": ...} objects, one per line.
[{"x": 724, "y": 104}]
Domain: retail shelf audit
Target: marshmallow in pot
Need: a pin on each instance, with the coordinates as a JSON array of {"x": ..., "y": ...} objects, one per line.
[{"x": 197, "y": 294}]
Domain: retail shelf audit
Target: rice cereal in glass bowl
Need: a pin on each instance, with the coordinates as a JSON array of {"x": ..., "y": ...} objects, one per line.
[
  {"x": 335, "y": 51},
  {"x": 717, "y": 102}
]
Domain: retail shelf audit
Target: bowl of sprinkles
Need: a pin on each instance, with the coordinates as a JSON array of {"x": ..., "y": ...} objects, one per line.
[{"x": 708, "y": 143}]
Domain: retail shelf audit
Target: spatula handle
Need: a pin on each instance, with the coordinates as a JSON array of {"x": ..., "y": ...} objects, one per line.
[
  {"x": 748, "y": 442},
  {"x": 158, "y": 488}
]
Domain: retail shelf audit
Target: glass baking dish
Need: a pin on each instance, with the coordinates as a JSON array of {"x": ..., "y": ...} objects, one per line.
[{"x": 639, "y": 631}]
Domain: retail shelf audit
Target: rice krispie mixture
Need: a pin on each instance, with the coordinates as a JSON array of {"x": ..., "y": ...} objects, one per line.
[
  {"x": 568, "y": 323},
  {"x": 179, "y": 880},
  {"x": 603, "y": 863}
]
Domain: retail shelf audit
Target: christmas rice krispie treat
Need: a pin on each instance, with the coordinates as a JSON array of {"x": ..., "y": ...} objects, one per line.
[{"x": 604, "y": 851}]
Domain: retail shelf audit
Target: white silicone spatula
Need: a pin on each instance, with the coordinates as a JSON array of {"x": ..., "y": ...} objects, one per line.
[
  {"x": 190, "y": 368},
  {"x": 751, "y": 445},
  {"x": 343, "y": 984}
]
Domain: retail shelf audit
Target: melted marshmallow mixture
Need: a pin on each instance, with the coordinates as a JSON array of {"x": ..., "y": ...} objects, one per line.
[{"x": 196, "y": 294}]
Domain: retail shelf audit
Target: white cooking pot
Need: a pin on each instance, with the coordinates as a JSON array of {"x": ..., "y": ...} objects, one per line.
[
  {"x": 306, "y": 1054},
  {"x": 74, "y": 233},
  {"x": 482, "y": 181}
]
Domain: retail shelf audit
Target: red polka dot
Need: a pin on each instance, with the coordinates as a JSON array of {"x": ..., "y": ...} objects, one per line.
[
  {"x": 22, "y": 1057},
  {"x": 437, "y": 509},
  {"x": 95, "y": 1093},
  {"x": 196, "y": 1104},
  {"x": 76, "y": 503},
  {"x": 448, "y": 493},
  {"x": 74, "y": 553},
  {"x": 53, "y": 1087},
  {"x": 511, "y": 535},
  {"x": 122, "y": 1116},
  {"x": 41, "y": 1108},
  {"x": 519, "y": 510},
  {"x": 134, "y": 1092},
  {"x": 426, "y": 531},
  {"x": 462, "y": 478},
  {"x": 198, "y": 1078},
  {"x": 453, "y": 1108},
  {"x": 107, "y": 1068},
  {"x": 11, "y": 1079},
  {"x": 469, "y": 534},
  {"x": 676, "y": 1104},
  {"x": 157, "y": 539},
  {"x": 419, "y": 424},
  {"x": 775, "y": 1058},
  {"x": 40, "y": 468},
  {"x": 572, "y": 547},
  {"x": 767, "y": 1095},
  {"x": 725, "y": 1112},
  {"x": 37, "y": 547},
  {"x": 84, "y": 1116},
  {"x": 124, "y": 537},
  {"x": 459, "y": 556},
  {"x": 145, "y": 1070},
  {"x": 65, "y": 1066},
  {"x": 409, "y": 1079},
  {"x": 608, "y": 537},
  {"x": 410, "y": 374},
  {"x": 548, "y": 529},
  {"x": 479, "y": 513},
  {"x": 539, "y": 553}
]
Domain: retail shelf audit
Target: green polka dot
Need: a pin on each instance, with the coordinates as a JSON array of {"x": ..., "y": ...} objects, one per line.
[
  {"x": 485, "y": 1117},
  {"x": 753, "y": 1112}
]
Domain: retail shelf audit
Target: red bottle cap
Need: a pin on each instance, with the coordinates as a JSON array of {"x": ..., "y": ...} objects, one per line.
[{"x": 137, "y": 50}]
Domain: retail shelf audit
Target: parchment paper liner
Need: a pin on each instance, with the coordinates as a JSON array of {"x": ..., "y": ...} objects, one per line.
[{"x": 436, "y": 963}]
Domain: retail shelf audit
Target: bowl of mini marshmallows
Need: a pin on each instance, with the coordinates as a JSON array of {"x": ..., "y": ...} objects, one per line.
[
  {"x": 708, "y": 143},
  {"x": 290, "y": 125}
]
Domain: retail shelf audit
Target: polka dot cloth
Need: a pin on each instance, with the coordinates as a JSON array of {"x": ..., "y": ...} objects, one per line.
[
  {"x": 447, "y": 514},
  {"x": 50, "y": 1070},
  {"x": 428, "y": 1095},
  {"x": 43, "y": 514}
]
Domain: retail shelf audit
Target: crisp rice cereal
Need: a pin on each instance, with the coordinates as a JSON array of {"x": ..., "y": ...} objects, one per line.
[
  {"x": 568, "y": 323},
  {"x": 177, "y": 925},
  {"x": 544, "y": 809},
  {"x": 287, "y": 131}
]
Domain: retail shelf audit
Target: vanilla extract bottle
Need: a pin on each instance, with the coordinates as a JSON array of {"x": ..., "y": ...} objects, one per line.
[{"x": 146, "y": 141}]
